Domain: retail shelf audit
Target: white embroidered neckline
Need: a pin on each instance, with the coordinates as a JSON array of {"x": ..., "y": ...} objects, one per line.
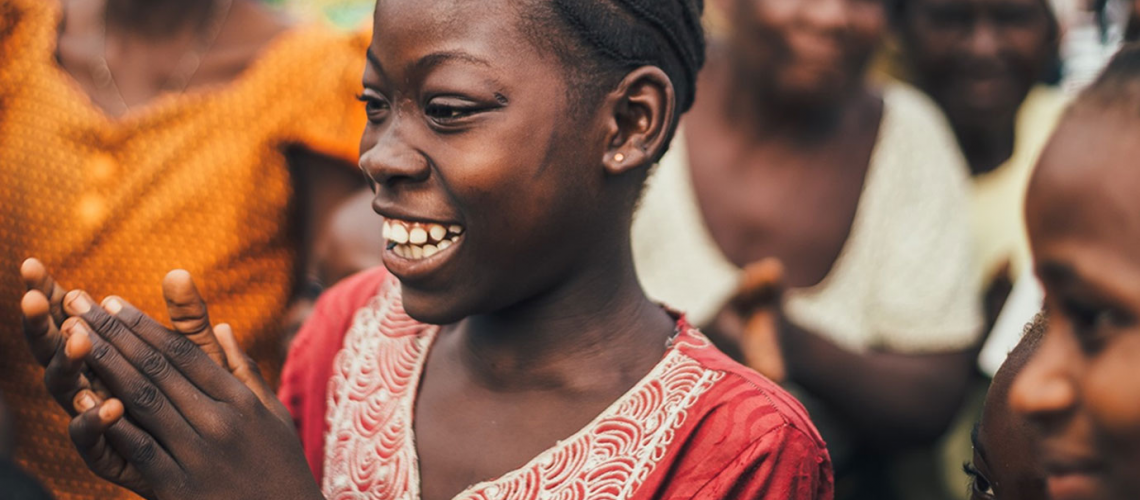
[{"x": 371, "y": 449}]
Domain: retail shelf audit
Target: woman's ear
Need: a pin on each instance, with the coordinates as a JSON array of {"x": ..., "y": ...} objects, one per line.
[{"x": 639, "y": 117}]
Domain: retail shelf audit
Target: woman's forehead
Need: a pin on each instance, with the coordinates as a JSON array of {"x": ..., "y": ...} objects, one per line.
[{"x": 469, "y": 23}]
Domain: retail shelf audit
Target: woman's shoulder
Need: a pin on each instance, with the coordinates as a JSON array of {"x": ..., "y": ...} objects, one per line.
[
  {"x": 917, "y": 146},
  {"x": 746, "y": 435},
  {"x": 741, "y": 399}
]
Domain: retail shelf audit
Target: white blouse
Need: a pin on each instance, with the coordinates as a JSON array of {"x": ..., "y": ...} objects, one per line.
[{"x": 905, "y": 280}]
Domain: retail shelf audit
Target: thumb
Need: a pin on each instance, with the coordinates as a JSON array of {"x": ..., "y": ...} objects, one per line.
[
  {"x": 246, "y": 370},
  {"x": 188, "y": 314}
]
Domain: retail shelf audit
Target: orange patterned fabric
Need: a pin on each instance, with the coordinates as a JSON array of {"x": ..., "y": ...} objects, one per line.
[{"x": 196, "y": 181}]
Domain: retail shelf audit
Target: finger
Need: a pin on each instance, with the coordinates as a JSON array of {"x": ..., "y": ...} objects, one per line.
[
  {"x": 88, "y": 431},
  {"x": 63, "y": 375},
  {"x": 36, "y": 277},
  {"x": 246, "y": 370},
  {"x": 760, "y": 345},
  {"x": 40, "y": 330},
  {"x": 119, "y": 451},
  {"x": 147, "y": 402},
  {"x": 188, "y": 313},
  {"x": 152, "y": 331},
  {"x": 187, "y": 358},
  {"x": 761, "y": 284}
]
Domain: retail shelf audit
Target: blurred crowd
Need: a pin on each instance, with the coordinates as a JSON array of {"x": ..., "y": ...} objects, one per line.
[{"x": 846, "y": 201}]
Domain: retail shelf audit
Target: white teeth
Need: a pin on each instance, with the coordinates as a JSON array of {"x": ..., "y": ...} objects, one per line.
[
  {"x": 417, "y": 236},
  {"x": 399, "y": 233},
  {"x": 416, "y": 241}
]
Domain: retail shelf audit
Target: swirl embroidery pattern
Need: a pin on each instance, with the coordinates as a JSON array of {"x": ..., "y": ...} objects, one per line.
[{"x": 370, "y": 449}]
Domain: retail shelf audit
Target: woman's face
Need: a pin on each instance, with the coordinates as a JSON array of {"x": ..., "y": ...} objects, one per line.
[
  {"x": 809, "y": 51},
  {"x": 1081, "y": 390},
  {"x": 491, "y": 191},
  {"x": 978, "y": 58}
]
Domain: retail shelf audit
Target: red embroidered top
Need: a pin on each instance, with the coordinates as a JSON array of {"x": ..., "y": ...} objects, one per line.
[{"x": 699, "y": 425}]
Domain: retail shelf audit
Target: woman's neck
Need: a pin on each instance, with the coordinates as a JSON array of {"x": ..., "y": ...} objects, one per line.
[
  {"x": 156, "y": 18},
  {"x": 987, "y": 148},
  {"x": 574, "y": 336}
]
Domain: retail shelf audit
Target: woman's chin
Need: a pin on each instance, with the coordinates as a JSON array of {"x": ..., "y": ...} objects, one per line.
[{"x": 431, "y": 308}]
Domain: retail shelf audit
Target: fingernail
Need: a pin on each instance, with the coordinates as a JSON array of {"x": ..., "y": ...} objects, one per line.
[
  {"x": 86, "y": 402},
  {"x": 113, "y": 305},
  {"x": 79, "y": 302},
  {"x": 79, "y": 332}
]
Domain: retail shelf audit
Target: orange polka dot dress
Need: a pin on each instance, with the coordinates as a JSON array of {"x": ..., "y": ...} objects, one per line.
[{"x": 196, "y": 181}]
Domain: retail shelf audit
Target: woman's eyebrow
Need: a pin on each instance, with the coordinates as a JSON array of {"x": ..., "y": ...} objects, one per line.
[{"x": 434, "y": 59}]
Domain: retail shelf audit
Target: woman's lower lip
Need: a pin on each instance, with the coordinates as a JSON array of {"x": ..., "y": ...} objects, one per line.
[
  {"x": 1076, "y": 486},
  {"x": 412, "y": 268}
]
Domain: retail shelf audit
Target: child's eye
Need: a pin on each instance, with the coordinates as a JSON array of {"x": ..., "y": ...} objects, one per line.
[
  {"x": 1093, "y": 323},
  {"x": 376, "y": 107},
  {"x": 980, "y": 487}
]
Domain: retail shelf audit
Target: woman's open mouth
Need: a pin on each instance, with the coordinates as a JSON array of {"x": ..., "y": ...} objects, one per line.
[
  {"x": 418, "y": 240},
  {"x": 417, "y": 249}
]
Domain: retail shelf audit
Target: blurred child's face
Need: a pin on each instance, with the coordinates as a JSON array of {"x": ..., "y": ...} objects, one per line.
[
  {"x": 810, "y": 51},
  {"x": 1082, "y": 388},
  {"x": 489, "y": 185},
  {"x": 1005, "y": 464},
  {"x": 978, "y": 58}
]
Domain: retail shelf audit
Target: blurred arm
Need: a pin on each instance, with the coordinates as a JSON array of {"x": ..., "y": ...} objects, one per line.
[{"x": 891, "y": 400}]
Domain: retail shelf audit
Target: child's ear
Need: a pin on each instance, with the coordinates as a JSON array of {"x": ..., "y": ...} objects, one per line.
[{"x": 639, "y": 116}]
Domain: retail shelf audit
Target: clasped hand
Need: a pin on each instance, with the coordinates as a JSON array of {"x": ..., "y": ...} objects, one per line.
[{"x": 180, "y": 413}]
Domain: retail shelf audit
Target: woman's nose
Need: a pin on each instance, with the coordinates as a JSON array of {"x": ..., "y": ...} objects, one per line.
[{"x": 391, "y": 160}]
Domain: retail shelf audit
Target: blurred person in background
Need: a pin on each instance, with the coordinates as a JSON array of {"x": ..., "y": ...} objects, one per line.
[
  {"x": 859, "y": 194},
  {"x": 141, "y": 135},
  {"x": 15, "y": 484},
  {"x": 983, "y": 62}
]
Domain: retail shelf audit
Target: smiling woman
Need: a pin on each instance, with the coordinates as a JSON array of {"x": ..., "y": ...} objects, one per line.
[{"x": 507, "y": 350}]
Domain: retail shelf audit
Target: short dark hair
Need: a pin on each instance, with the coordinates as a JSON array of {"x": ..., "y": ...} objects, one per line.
[
  {"x": 1117, "y": 88},
  {"x": 600, "y": 41}
]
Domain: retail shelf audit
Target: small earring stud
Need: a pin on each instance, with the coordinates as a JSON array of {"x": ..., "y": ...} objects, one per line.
[{"x": 619, "y": 157}]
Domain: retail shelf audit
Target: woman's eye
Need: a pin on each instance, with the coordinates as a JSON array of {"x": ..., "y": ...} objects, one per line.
[
  {"x": 374, "y": 106},
  {"x": 445, "y": 113}
]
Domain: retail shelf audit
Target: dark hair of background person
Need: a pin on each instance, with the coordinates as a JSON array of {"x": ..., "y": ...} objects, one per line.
[
  {"x": 1118, "y": 87},
  {"x": 600, "y": 41}
]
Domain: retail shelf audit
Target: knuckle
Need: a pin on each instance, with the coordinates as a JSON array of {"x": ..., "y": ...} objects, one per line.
[
  {"x": 130, "y": 318},
  {"x": 191, "y": 323},
  {"x": 101, "y": 351},
  {"x": 102, "y": 322},
  {"x": 154, "y": 366},
  {"x": 218, "y": 427},
  {"x": 181, "y": 350},
  {"x": 144, "y": 451},
  {"x": 148, "y": 398}
]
